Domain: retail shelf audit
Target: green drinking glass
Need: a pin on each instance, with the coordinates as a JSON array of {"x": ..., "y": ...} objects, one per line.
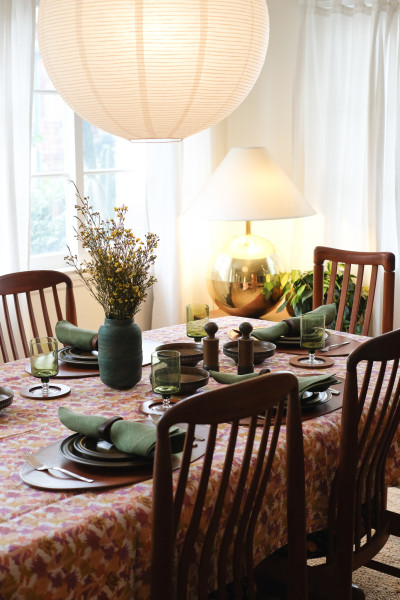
[
  {"x": 165, "y": 375},
  {"x": 197, "y": 315},
  {"x": 44, "y": 361},
  {"x": 312, "y": 337}
]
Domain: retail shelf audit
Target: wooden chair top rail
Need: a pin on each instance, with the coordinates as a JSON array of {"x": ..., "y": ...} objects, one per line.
[{"x": 386, "y": 259}]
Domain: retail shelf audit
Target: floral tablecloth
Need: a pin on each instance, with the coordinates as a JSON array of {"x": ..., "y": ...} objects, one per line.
[{"x": 96, "y": 544}]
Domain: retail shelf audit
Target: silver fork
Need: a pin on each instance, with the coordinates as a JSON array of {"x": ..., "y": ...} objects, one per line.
[{"x": 38, "y": 466}]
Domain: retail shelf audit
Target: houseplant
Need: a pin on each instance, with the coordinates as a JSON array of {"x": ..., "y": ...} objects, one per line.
[
  {"x": 118, "y": 275},
  {"x": 297, "y": 292}
]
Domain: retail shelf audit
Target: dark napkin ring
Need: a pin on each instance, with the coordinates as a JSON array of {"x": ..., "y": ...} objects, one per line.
[
  {"x": 291, "y": 324},
  {"x": 95, "y": 342},
  {"x": 105, "y": 428}
]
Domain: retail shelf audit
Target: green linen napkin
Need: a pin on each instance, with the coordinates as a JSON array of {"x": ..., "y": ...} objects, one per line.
[
  {"x": 291, "y": 327},
  {"x": 71, "y": 335},
  {"x": 312, "y": 383},
  {"x": 127, "y": 436},
  {"x": 231, "y": 377}
]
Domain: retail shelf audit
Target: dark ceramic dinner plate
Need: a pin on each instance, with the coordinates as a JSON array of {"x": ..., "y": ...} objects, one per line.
[
  {"x": 94, "y": 458},
  {"x": 65, "y": 355},
  {"x": 89, "y": 447},
  {"x": 82, "y": 354},
  {"x": 295, "y": 341},
  {"x": 315, "y": 398}
]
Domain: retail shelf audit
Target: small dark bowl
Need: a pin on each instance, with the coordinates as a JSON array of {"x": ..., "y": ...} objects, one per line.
[
  {"x": 192, "y": 378},
  {"x": 6, "y": 397},
  {"x": 191, "y": 353},
  {"x": 262, "y": 350}
]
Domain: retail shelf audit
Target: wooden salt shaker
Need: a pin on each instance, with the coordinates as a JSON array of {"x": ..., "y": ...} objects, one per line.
[
  {"x": 245, "y": 350},
  {"x": 210, "y": 347}
]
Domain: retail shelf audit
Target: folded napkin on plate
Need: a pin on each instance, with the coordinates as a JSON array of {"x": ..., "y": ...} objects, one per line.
[
  {"x": 127, "y": 436},
  {"x": 312, "y": 383},
  {"x": 291, "y": 327},
  {"x": 71, "y": 335},
  {"x": 316, "y": 383}
]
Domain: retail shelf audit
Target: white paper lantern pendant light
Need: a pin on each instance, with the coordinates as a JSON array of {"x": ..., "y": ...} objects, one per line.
[{"x": 153, "y": 69}]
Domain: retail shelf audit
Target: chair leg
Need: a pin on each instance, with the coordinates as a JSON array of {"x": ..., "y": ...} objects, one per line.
[{"x": 357, "y": 593}]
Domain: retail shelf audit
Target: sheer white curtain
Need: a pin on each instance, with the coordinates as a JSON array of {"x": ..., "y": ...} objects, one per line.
[
  {"x": 347, "y": 125},
  {"x": 17, "y": 32},
  {"x": 175, "y": 174},
  {"x": 163, "y": 209}
]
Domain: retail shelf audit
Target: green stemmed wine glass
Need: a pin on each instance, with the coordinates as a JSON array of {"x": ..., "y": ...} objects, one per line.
[
  {"x": 44, "y": 362},
  {"x": 197, "y": 315},
  {"x": 165, "y": 375},
  {"x": 312, "y": 337}
]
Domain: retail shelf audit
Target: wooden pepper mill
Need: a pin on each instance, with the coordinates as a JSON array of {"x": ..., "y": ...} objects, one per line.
[
  {"x": 245, "y": 350},
  {"x": 210, "y": 347}
]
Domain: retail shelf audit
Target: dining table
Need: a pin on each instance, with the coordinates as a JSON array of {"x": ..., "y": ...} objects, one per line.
[{"x": 95, "y": 542}]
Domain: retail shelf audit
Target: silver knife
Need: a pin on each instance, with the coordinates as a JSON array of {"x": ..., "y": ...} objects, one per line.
[{"x": 333, "y": 346}]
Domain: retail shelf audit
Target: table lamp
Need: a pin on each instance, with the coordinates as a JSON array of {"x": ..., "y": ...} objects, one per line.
[{"x": 248, "y": 186}]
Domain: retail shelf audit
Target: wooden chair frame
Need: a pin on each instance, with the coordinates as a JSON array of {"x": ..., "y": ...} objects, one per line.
[
  {"x": 361, "y": 259},
  {"x": 359, "y": 522},
  {"x": 24, "y": 283},
  {"x": 265, "y": 395}
]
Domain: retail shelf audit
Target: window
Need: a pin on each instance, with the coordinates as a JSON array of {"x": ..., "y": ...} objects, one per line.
[{"x": 66, "y": 148}]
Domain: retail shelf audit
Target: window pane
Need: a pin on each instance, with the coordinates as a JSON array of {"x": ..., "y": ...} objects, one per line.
[
  {"x": 105, "y": 151},
  {"x": 98, "y": 148},
  {"x": 107, "y": 190},
  {"x": 48, "y": 215},
  {"x": 51, "y": 117}
]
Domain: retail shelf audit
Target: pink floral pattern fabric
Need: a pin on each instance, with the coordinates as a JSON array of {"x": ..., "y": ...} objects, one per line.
[{"x": 96, "y": 544}]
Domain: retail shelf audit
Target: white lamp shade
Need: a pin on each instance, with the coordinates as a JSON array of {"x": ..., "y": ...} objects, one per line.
[
  {"x": 153, "y": 69},
  {"x": 249, "y": 186}
]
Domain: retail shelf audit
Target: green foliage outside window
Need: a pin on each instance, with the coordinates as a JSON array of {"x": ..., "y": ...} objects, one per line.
[{"x": 47, "y": 216}]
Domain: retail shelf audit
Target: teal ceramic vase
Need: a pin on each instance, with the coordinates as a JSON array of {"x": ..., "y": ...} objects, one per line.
[{"x": 120, "y": 353}]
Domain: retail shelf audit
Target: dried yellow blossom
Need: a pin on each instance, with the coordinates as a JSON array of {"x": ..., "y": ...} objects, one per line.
[{"x": 118, "y": 271}]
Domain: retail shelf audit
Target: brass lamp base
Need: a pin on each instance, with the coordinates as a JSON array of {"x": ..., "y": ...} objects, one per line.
[{"x": 236, "y": 279}]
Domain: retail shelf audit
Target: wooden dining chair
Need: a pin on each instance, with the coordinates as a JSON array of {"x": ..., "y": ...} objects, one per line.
[
  {"x": 350, "y": 259},
  {"x": 214, "y": 547},
  {"x": 359, "y": 523},
  {"x": 30, "y": 307}
]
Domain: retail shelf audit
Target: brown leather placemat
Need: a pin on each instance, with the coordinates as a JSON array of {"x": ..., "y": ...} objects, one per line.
[
  {"x": 318, "y": 410},
  {"x": 103, "y": 477}
]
